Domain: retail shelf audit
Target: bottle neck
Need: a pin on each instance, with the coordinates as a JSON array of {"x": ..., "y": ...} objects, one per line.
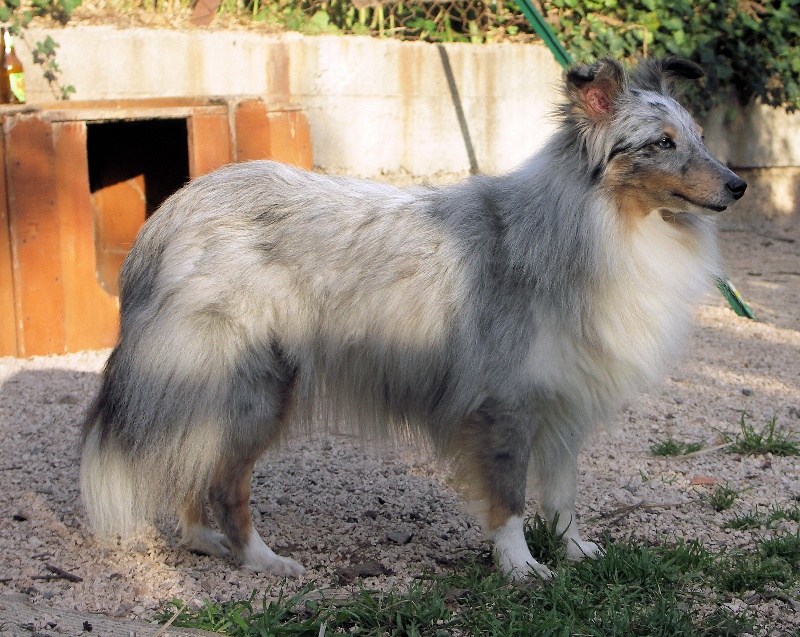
[{"x": 8, "y": 41}]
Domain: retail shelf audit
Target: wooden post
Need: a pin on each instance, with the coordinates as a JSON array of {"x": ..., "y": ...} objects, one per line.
[
  {"x": 90, "y": 311},
  {"x": 35, "y": 236},
  {"x": 8, "y": 322}
]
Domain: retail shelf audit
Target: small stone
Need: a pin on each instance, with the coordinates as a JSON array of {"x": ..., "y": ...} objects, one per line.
[
  {"x": 747, "y": 391},
  {"x": 457, "y": 594},
  {"x": 364, "y": 569},
  {"x": 399, "y": 537},
  {"x": 123, "y": 609}
]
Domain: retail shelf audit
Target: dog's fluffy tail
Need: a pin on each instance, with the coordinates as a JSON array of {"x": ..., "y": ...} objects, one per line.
[
  {"x": 122, "y": 489},
  {"x": 126, "y": 482},
  {"x": 109, "y": 486}
]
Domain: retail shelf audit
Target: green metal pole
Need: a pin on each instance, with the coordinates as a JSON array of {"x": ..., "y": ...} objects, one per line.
[{"x": 544, "y": 31}]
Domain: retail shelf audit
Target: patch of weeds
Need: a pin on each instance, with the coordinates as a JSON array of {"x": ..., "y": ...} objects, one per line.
[
  {"x": 723, "y": 497},
  {"x": 772, "y": 565},
  {"x": 768, "y": 440},
  {"x": 546, "y": 548},
  {"x": 290, "y": 615},
  {"x": 672, "y": 447},
  {"x": 755, "y": 519},
  {"x": 785, "y": 546},
  {"x": 791, "y": 514},
  {"x": 746, "y": 521},
  {"x": 635, "y": 589},
  {"x": 752, "y": 572},
  {"x": 671, "y": 479},
  {"x": 722, "y": 622}
]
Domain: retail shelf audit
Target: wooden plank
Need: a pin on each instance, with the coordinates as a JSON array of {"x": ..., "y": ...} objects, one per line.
[
  {"x": 126, "y": 109},
  {"x": 265, "y": 132},
  {"x": 119, "y": 210},
  {"x": 35, "y": 236},
  {"x": 20, "y": 618},
  {"x": 8, "y": 324},
  {"x": 290, "y": 138},
  {"x": 91, "y": 312},
  {"x": 209, "y": 143},
  {"x": 251, "y": 130}
]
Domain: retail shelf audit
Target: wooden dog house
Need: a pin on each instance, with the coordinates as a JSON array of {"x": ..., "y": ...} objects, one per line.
[{"x": 80, "y": 178}]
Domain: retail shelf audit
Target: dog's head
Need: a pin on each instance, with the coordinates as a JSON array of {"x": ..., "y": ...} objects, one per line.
[{"x": 644, "y": 148}]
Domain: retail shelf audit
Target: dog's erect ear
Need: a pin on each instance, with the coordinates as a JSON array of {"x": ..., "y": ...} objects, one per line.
[
  {"x": 660, "y": 75},
  {"x": 682, "y": 68},
  {"x": 595, "y": 89}
]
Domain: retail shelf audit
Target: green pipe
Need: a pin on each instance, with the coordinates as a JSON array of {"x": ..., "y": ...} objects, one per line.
[{"x": 544, "y": 31}]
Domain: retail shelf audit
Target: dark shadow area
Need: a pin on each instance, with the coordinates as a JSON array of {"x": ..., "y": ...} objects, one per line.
[{"x": 133, "y": 167}]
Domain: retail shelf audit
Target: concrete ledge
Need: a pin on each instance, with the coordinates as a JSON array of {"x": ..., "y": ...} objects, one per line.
[{"x": 375, "y": 106}]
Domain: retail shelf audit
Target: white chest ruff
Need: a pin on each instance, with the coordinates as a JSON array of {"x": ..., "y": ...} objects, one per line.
[{"x": 635, "y": 323}]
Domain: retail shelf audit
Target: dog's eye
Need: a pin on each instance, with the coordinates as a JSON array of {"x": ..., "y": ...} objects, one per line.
[{"x": 665, "y": 142}]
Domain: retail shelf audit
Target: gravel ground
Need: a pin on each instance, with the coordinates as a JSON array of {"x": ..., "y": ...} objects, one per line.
[{"x": 339, "y": 506}]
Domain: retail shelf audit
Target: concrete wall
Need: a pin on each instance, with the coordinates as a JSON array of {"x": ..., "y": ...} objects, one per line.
[
  {"x": 383, "y": 106},
  {"x": 375, "y": 106}
]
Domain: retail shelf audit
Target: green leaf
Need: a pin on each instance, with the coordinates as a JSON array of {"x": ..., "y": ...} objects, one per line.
[
  {"x": 69, "y": 6},
  {"x": 673, "y": 24}
]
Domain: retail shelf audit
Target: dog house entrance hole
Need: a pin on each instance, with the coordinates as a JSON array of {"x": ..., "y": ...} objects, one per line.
[{"x": 133, "y": 167}]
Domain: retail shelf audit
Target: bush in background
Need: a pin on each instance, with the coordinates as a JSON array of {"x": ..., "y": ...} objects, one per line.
[{"x": 749, "y": 47}]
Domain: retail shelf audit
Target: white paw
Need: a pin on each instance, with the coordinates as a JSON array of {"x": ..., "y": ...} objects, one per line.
[
  {"x": 275, "y": 565},
  {"x": 201, "y": 539},
  {"x": 512, "y": 553},
  {"x": 517, "y": 573},
  {"x": 578, "y": 549},
  {"x": 258, "y": 557}
]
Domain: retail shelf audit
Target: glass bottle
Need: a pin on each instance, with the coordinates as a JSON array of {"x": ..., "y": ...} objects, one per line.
[{"x": 12, "y": 83}]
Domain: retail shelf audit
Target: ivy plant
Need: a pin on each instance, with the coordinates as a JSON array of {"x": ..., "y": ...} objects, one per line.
[
  {"x": 16, "y": 16},
  {"x": 752, "y": 48}
]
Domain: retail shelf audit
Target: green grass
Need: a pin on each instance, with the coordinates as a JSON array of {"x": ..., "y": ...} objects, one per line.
[
  {"x": 635, "y": 589},
  {"x": 672, "y": 447},
  {"x": 723, "y": 497},
  {"x": 768, "y": 440},
  {"x": 755, "y": 519}
]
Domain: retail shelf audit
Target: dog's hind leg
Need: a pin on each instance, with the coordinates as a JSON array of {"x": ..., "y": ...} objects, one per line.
[
  {"x": 495, "y": 451},
  {"x": 555, "y": 475},
  {"x": 259, "y": 404},
  {"x": 197, "y": 534},
  {"x": 230, "y": 501}
]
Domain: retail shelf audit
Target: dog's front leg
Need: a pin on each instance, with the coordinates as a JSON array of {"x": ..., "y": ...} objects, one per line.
[
  {"x": 555, "y": 474},
  {"x": 496, "y": 446}
]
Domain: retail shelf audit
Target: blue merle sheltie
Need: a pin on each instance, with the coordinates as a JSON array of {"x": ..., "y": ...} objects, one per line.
[{"x": 504, "y": 317}]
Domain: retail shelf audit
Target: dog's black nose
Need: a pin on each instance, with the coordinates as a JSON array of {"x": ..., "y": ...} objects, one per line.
[{"x": 737, "y": 187}]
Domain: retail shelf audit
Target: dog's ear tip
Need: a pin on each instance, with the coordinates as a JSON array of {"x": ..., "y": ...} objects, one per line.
[
  {"x": 580, "y": 75},
  {"x": 684, "y": 68}
]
